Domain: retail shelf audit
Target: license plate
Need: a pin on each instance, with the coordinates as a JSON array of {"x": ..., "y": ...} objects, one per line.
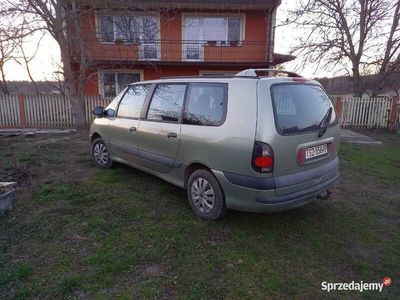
[{"x": 316, "y": 151}]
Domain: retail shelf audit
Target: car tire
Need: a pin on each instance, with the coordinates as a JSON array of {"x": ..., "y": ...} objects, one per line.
[
  {"x": 100, "y": 154},
  {"x": 206, "y": 196}
]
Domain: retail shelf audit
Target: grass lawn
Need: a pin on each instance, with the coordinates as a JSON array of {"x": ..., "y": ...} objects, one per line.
[{"x": 79, "y": 232}]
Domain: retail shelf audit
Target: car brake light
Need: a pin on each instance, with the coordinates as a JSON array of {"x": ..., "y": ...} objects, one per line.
[
  {"x": 300, "y": 156},
  {"x": 299, "y": 79},
  {"x": 263, "y": 158}
]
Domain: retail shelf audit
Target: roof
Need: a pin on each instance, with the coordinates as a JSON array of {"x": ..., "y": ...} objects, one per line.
[
  {"x": 187, "y": 4},
  {"x": 280, "y": 58}
]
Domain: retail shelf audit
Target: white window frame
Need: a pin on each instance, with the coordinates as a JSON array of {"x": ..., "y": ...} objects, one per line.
[
  {"x": 242, "y": 18},
  {"x": 100, "y": 74}
]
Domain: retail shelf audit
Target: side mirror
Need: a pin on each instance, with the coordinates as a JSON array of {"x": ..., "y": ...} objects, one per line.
[{"x": 98, "y": 111}]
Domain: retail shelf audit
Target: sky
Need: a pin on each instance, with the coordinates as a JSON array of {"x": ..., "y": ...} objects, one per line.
[{"x": 48, "y": 57}]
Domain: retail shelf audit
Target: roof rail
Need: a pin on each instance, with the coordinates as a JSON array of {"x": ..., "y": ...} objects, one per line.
[{"x": 271, "y": 72}]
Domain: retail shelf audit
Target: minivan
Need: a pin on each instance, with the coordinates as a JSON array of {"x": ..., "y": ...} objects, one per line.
[{"x": 260, "y": 141}]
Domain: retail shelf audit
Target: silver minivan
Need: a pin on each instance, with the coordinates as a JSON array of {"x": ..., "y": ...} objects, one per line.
[{"x": 261, "y": 141}]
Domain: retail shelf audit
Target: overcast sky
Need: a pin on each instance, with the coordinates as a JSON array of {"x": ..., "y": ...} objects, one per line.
[{"x": 48, "y": 57}]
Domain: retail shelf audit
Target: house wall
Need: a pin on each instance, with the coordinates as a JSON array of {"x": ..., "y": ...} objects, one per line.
[
  {"x": 255, "y": 40},
  {"x": 125, "y": 58},
  {"x": 150, "y": 73}
]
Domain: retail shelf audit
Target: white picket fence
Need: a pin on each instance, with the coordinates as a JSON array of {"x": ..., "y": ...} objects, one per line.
[
  {"x": 9, "y": 111},
  {"x": 48, "y": 110},
  {"x": 43, "y": 110},
  {"x": 365, "y": 112}
]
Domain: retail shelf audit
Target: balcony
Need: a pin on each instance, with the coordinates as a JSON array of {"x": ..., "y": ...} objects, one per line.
[{"x": 180, "y": 51}]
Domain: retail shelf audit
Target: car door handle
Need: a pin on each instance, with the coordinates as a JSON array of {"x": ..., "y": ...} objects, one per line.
[
  {"x": 132, "y": 130},
  {"x": 172, "y": 135}
]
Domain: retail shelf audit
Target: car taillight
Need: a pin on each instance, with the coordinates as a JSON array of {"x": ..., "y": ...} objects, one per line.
[
  {"x": 263, "y": 158},
  {"x": 300, "y": 156},
  {"x": 299, "y": 79}
]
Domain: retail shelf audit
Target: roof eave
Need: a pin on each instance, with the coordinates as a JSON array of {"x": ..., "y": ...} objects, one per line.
[{"x": 143, "y": 5}]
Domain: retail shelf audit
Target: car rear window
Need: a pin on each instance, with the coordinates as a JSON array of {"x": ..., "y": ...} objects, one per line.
[{"x": 299, "y": 108}]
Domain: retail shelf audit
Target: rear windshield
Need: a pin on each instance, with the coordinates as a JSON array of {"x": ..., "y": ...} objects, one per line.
[{"x": 299, "y": 107}]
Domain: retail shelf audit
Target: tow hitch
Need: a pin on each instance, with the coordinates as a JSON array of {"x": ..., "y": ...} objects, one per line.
[{"x": 325, "y": 195}]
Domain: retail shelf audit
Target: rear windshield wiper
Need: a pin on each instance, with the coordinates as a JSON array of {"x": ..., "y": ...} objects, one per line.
[{"x": 323, "y": 125}]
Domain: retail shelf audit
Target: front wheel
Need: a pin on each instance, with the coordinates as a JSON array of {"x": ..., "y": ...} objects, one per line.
[
  {"x": 205, "y": 195},
  {"x": 100, "y": 154}
]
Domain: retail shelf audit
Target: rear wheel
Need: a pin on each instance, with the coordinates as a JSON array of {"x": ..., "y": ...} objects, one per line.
[
  {"x": 100, "y": 154},
  {"x": 205, "y": 195}
]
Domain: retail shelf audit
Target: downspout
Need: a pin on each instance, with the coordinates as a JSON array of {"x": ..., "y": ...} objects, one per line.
[{"x": 271, "y": 34}]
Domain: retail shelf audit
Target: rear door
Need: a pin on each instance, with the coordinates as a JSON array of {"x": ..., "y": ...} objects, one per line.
[
  {"x": 305, "y": 132},
  {"x": 159, "y": 130},
  {"x": 123, "y": 127}
]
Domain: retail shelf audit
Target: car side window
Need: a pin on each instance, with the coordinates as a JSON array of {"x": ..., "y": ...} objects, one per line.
[
  {"x": 132, "y": 102},
  {"x": 166, "y": 103},
  {"x": 206, "y": 104}
]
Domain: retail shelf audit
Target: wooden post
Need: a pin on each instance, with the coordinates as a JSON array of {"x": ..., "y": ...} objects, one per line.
[
  {"x": 22, "y": 113},
  {"x": 393, "y": 115},
  {"x": 339, "y": 107}
]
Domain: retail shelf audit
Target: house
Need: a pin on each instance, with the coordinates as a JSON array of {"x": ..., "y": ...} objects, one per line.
[{"x": 128, "y": 41}]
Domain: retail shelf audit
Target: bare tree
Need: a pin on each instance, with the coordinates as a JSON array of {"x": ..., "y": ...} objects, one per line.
[
  {"x": 24, "y": 59},
  {"x": 54, "y": 17},
  {"x": 360, "y": 36},
  {"x": 62, "y": 20},
  {"x": 7, "y": 50}
]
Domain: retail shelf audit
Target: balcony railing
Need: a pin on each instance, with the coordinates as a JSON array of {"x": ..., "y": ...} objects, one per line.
[{"x": 181, "y": 51}]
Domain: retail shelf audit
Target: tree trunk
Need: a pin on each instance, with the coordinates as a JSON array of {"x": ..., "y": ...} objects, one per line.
[
  {"x": 77, "y": 102},
  {"x": 3, "y": 83},
  {"x": 358, "y": 90}
]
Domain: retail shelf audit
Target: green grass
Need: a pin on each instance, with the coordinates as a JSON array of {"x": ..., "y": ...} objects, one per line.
[
  {"x": 77, "y": 231},
  {"x": 381, "y": 161}
]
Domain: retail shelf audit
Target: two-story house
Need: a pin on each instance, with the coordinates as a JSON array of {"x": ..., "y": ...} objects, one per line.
[{"x": 128, "y": 41}]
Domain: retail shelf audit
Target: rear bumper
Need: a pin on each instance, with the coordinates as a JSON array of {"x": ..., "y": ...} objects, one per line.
[
  {"x": 259, "y": 194},
  {"x": 299, "y": 198}
]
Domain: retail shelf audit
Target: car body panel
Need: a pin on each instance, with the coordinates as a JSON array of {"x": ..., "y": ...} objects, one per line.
[
  {"x": 156, "y": 150},
  {"x": 122, "y": 139},
  {"x": 229, "y": 146},
  {"x": 286, "y": 147}
]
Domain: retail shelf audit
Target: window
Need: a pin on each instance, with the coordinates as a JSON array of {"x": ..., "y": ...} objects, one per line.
[
  {"x": 299, "y": 107},
  {"x": 113, "y": 83},
  {"x": 206, "y": 104},
  {"x": 234, "y": 30},
  {"x": 128, "y": 29},
  {"x": 167, "y": 102},
  {"x": 107, "y": 28},
  {"x": 132, "y": 103},
  {"x": 222, "y": 29},
  {"x": 210, "y": 29}
]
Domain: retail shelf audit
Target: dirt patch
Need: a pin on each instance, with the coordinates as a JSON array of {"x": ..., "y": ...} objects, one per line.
[{"x": 154, "y": 270}]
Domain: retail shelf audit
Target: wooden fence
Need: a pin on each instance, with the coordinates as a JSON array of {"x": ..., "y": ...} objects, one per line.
[
  {"x": 44, "y": 110},
  {"x": 9, "y": 111},
  {"x": 39, "y": 111},
  {"x": 365, "y": 112}
]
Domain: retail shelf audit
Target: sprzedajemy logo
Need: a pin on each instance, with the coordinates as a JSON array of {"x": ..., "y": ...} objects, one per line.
[{"x": 356, "y": 286}]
